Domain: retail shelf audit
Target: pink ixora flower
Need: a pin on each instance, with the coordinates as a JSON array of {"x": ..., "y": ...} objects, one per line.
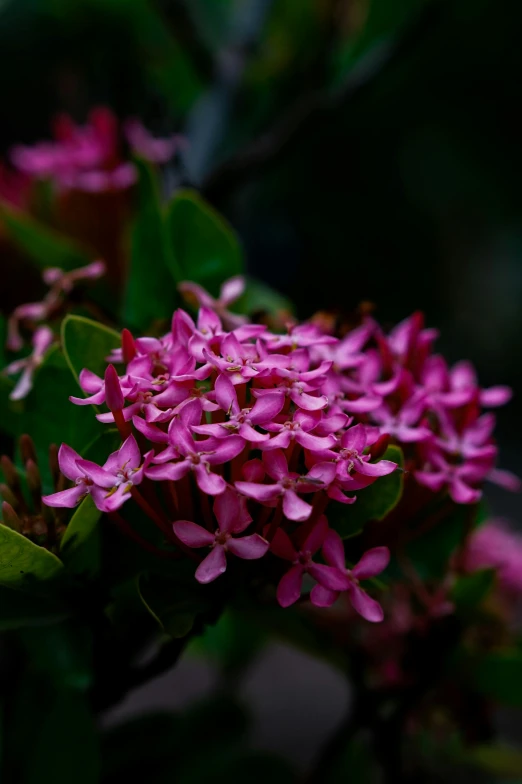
[
  {"x": 42, "y": 341},
  {"x": 153, "y": 149},
  {"x": 230, "y": 291},
  {"x": 287, "y": 485},
  {"x": 232, "y": 521},
  {"x": 289, "y": 588},
  {"x": 372, "y": 563},
  {"x": 196, "y": 456},
  {"x": 109, "y": 485},
  {"x": 496, "y": 546}
]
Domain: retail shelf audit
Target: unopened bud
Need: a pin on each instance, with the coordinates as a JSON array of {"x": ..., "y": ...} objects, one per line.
[
  {"x": 11, "y": 474},
  {"x": 10, "y": 518},
  {"x": 27, "y": 449},
  {"x": 8, "y": 495},
  {"x": 128, "y": 346},
  {"x": 34, "y": 482},
  {"x": 113, "y": 394},
  {"x": 53, "y": 463}
]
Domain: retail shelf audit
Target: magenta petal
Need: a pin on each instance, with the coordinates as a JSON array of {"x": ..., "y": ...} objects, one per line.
[
  {"x": 267, "y": 407},
  {"x": 248, "y": 547},
  {"x": 212, "y": 566},
  {"x": 354, "y": 438},
  {"x": 226, "y": 395},
  {"x": 100, "y": 476},
  {"x": 232, "y": 289},
  {"x": 323, "y": 597},
  {"x": 130, "y": 453},
  {"x": 275, "y": 464},
  {"x": 282, "y": 547},
  {"x": 259, "y": 493},
  {"x": 373, "y": 562},
  {"x": 65, "y": 498},
  {"x": 505, "y": 479},
  {"x": 67, "y": 458},
  {"x": 280, "y": 441},
  {"x": 294, "y": 508},
  {"x": 227, "y": 510},
  {"x": 330, "y": 577},
  {"x": 209, "y": 483},
  {"x": 309, "y": 402},
  {"x": 289, "y": 588},
  {"x": 435, "y": 482},
  {"x": 365, "y": 605},
  {"x": 173, "y": 471},
  {"x": 495, "y": 396},
  {"x": 316, "y": 537},
  {"x": 333, "y": 550},
  {"x": 363, "y": 405},
  {"x": 224, "y": 449},
  {"x": 192, "y": 535},
  {"x": 381, "y": 468},
  {"x": 462, "y": 494}
]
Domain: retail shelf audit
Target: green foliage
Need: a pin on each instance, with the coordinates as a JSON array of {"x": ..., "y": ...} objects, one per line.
[
  {"x": 233, "y": 642},
  {"x": 80, "y": 546},
  {"x": 44, "y": 246},
  {"x": 498, "y": 675},
  {"x": 24, "y": 566},
  {"x": 86, "y": 344},
  {"x": 498, "y": 760},
  {"x": 18, "y": 609},
  {"x": 151, "y": 294},
  {"x": 374, "y": 502},
  {"x": 204, "y": 247},
  {"x": 66, "y": 746},
  {"x": 174, "y": 602},
  {"x": 470, "y": 590},
  {"x": 431, "y": 551},
  {"x": 49, "y": 416},
  {"x": 60, "y": 653},
  {"x": 260, "y": 298}
]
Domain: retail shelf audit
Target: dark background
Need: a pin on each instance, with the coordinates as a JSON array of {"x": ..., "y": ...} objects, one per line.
[{"x": 364, "y": 150}]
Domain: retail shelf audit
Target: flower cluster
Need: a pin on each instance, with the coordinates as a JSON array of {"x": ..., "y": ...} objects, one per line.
[
  {"x": 274, "y": 428},
  {"x": 89, "y": 157}
]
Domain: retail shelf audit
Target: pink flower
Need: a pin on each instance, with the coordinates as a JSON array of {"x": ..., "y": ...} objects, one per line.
[
  {"x": 42, "y": 340},
  {"x": 495, "y": 546},
  {"x": 297, "y": 428},
  {"x": 404, "y": 424},
  {"x": 230, "y": 291},
  {"x": 152, "y": 149},
  {"x": 231, "y": 521},
  {"x": 287, "y": 485},
  {"x": 350, "y": 459},
  {"x": 196, "y": 456},
  {"x": 372, "y": 563},
  {"x": 459, "y": 478},
  {"x": 289, "y": 588},
  {"x": 242, "y": 421},
  {"x": 110, "y": 485}
]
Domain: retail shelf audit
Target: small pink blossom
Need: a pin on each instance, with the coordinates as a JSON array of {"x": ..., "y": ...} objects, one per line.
[
  {"x": 372, "y": 563},
  {"x": 43, "y": 338},
  {"x": 230, "y": 291},
  {"x": 231, "y": 521}
]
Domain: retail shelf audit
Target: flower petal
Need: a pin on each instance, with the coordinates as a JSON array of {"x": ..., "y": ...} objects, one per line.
[
  {"x": 373, "y": 562},
  {"x": 67, "y": 458},
  {"x": 212, "y": 566},
  {"x": 209, "y": 483},
  {"x": 333, "y": 550},
  {"x": 294, "y": 508},
  {"x": 66, "y": 498},
  {"x": 192, "y": 535},
  {"x": 289, "y": 588},
  {"x": 323, "y": 597},
  {"x": 248, "y": 547},
  {"x": 365, "y": 605}
]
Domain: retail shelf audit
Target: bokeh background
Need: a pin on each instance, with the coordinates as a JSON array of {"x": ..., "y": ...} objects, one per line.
[{"x": 365, "y": 150}]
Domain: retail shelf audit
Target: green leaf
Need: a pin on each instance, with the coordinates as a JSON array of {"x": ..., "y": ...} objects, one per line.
[
  {"x": 260, "y": 298},
  {"x": 471, "y": 589},
  {"x": 45, "y": 247},
  {"x": 204, "y": 247},
  {"x": 174, "y": 603},
  {"x": 66, "y": 747},
  {"x": 431, "y": 551},
  {"x": 375, "y": 501},
  {"x": 497, "y": 760},
  {"x": 80, "y": 547},
  {"x": 498, "y": 675},
  {"x": 25, "y": 566},
  {"x": 19, "y": 609},
  {"x": 50, "y": 418},
  {"x": 356, "y": 763},
  {"x": 151, "y": 294},
  {"x": 232, "y": 642},
  {"x": 61, "y": 653},
  {"x": 86, "y": 344}
]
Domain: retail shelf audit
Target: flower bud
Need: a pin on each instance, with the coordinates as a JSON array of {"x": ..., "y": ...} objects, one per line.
[
  {"x": 113, "y": 394},
  {"x": 10, "y": 518},
  {"x": 128, "y": 346}
]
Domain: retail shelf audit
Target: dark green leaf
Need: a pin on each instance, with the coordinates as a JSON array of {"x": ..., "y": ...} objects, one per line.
[
  {"x": 471, "y": 589},
  {"x": 254, "y": 767},
  {"x": 48, "y": 415},
  {"x": 499, "y": 675},
  {"x": 174, "y": 603},
  {"x": 151, "y": 294},
  {"x": 86, "y": 344},
  {"x": 232, "y": 642},
  {"x": 375, "y": 501},
  {"x": 24, "y": 566},
  {"x": 144, "y": 746},
  {"x": 431, "y": 551},
  {"x": 260, "y": 298},
  {"x": 61, "y": 653},
  {"x": 500, "y": 761},
  {"x": 19, "y": 609},
  {"x": 66, "y": 747},
  {"x": 204, "y": 247},
  {"x": 45, "y": 247},
  {"x": 80, "y": 547}
]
